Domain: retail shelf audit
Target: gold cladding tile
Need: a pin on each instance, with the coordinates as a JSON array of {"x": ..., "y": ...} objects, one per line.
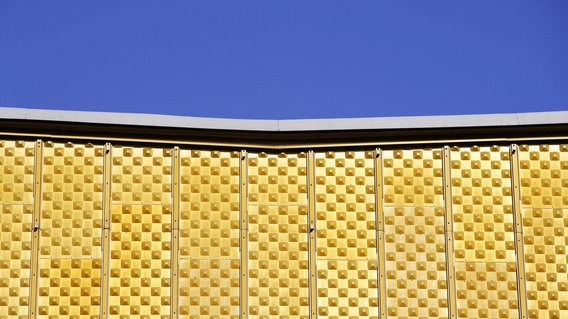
[
  {"x": 544, "y": 195},
  {"x": 345, "y": 235},
  {"x": 277, "y": 179},
  {"x": 71, "y": 210},
  {"x": 209, "y": 234},
  {"x": 347, "y": 289},
  {"x": 415, "y": 262},
  {"x": 69, "y": 288},
  {"x": 483, "y": 232},
  {"x": 413, "y": 177},
  {"x": 16, "y": 172},
  {"x": 546, "y": 238},
  {"x": 544, "y": 175},
  {"x": 141, "y": 175},
  {"x": 15, "y": 260},
  {"x": 209, "y": 288},
  {"x": 278, "y": 262},
  {"x": 140, "y": 260},
  {"x": 487, "y": 290},
  {"x": 209, "y": 222},
  {"x": 345, "y": 205}
]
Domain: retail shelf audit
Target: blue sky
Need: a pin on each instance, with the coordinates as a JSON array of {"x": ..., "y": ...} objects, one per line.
[{"x": 285, "y": 59}]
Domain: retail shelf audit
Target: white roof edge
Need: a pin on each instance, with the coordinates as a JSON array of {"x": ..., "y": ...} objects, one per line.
[{"x": 369, "y": 123}]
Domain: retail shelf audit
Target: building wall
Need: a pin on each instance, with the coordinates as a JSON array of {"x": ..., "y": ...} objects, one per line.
[{"x": 129, "y": 231}]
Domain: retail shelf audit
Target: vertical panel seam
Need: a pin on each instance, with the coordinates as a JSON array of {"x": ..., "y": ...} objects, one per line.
[
  {"x": 312, "y": 234},
  {"x": 449, "y": 233},
  {"x": 518, "y": 231},
  {"x": 175, "y": 233},
  {"x": 243, "y": 191},
  {"x": 38, "y": 164},
  {"x": 380, "y": 233},
  {"x": 107, "y": 203}
]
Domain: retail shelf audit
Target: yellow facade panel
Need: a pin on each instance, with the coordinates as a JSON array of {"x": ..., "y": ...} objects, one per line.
[
  {"x": 544, "y": 175},
  {"x": 15, "y": 260},
  {"x": 544, "y": 185},
  {"x": 484, "y": 233},
  {"x": 413, "y": 177},
  {"x": 277, "y": 179},
  {"x": 209, "y": 218},
  {"x": 140, "y": 257},
  {"x": 415, "y": 262},
  {"x": 70, "y": 245},
  {"x": 71, "y": 208},
  {"x": 69, "y": 288},
  {"x": 346, "y": 238},
  {"x": 415, "y": 251},
  {"x": 347, "y": 288},
  {"x": 209, "y": 234},
  {"x": 278, "y": 262},
  {"x": 486, "y": 289},
  {"x": 16, "y": 209},
  {"x": 277, "y": 230},
  {"x": 282, "y": 235},
  {"x": 209, "y": 288},
  {"x": 16, "y": 172},
  {"x": 141, "y": 175}
]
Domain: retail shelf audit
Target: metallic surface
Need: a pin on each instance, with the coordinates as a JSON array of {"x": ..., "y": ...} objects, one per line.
[
  {"x": 544, "y": 195},
  {"x": 414, "y": 234},
  {"x": 160, "y": 231},
  {"x": 16, "y": 225},
  {"x": 347, "y": 260},
  {"x": 483, "y": 232},
  {"x": 277, "y": 236}
]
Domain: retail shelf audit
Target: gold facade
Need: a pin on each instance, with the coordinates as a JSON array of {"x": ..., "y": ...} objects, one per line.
[{"x": 126, "y": 231}]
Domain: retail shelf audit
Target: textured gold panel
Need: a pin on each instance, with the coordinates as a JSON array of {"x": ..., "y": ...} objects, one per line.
[
  {"x": 209, "y": 234},
  {"x": 484, "y": 233},
  {"x": 72, "y": 191},
  {"x": 209, "y": 224},
  {"x": 278, "y": 262},
  {"x": 277, "y": 179},
  {"x": 16, "y": 172},
  {"x": 71, "y": 228},
  {"x": 347, "y": 288},
  {"x": 69, "y": 288},
  {"x": 141, "y": 175},
  {"x": 346, "y": 235},
  {"x": 546, "y": 239},
  {"x": 140, "y": 261},
  {"x": 487, "y": 290},
  {"x": 413, "y": 177},
  {"x": 544, "y": 194},
  {"x": 544, "y": 175},
  {"x": 416, "y": 262},
  {"x": 278, "y": 279},
  {"x": 209, "y": 288},
  {"x": 15, "y": 260},
  {"x": 16, "y": 208}
]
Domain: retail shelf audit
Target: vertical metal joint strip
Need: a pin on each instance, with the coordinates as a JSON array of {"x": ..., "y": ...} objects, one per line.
[
  {"x": 175, "y": 232},
  {"x": 449, "y": 233},
  {"x": 107, "y": 205},
  {"x": 36, "y": 228},
  {"x": 380, "y": 224},
  {"x": 312, "y": 234},
  {"x": 518, "y": 231},
  {"x": 243, "y": 190}
]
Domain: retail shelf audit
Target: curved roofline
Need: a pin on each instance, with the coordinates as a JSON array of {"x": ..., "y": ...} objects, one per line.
[{"x": 300, "y": 125}]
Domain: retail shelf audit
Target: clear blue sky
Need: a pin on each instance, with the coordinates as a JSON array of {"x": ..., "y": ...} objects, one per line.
[{"x": 285, "y": 59}]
